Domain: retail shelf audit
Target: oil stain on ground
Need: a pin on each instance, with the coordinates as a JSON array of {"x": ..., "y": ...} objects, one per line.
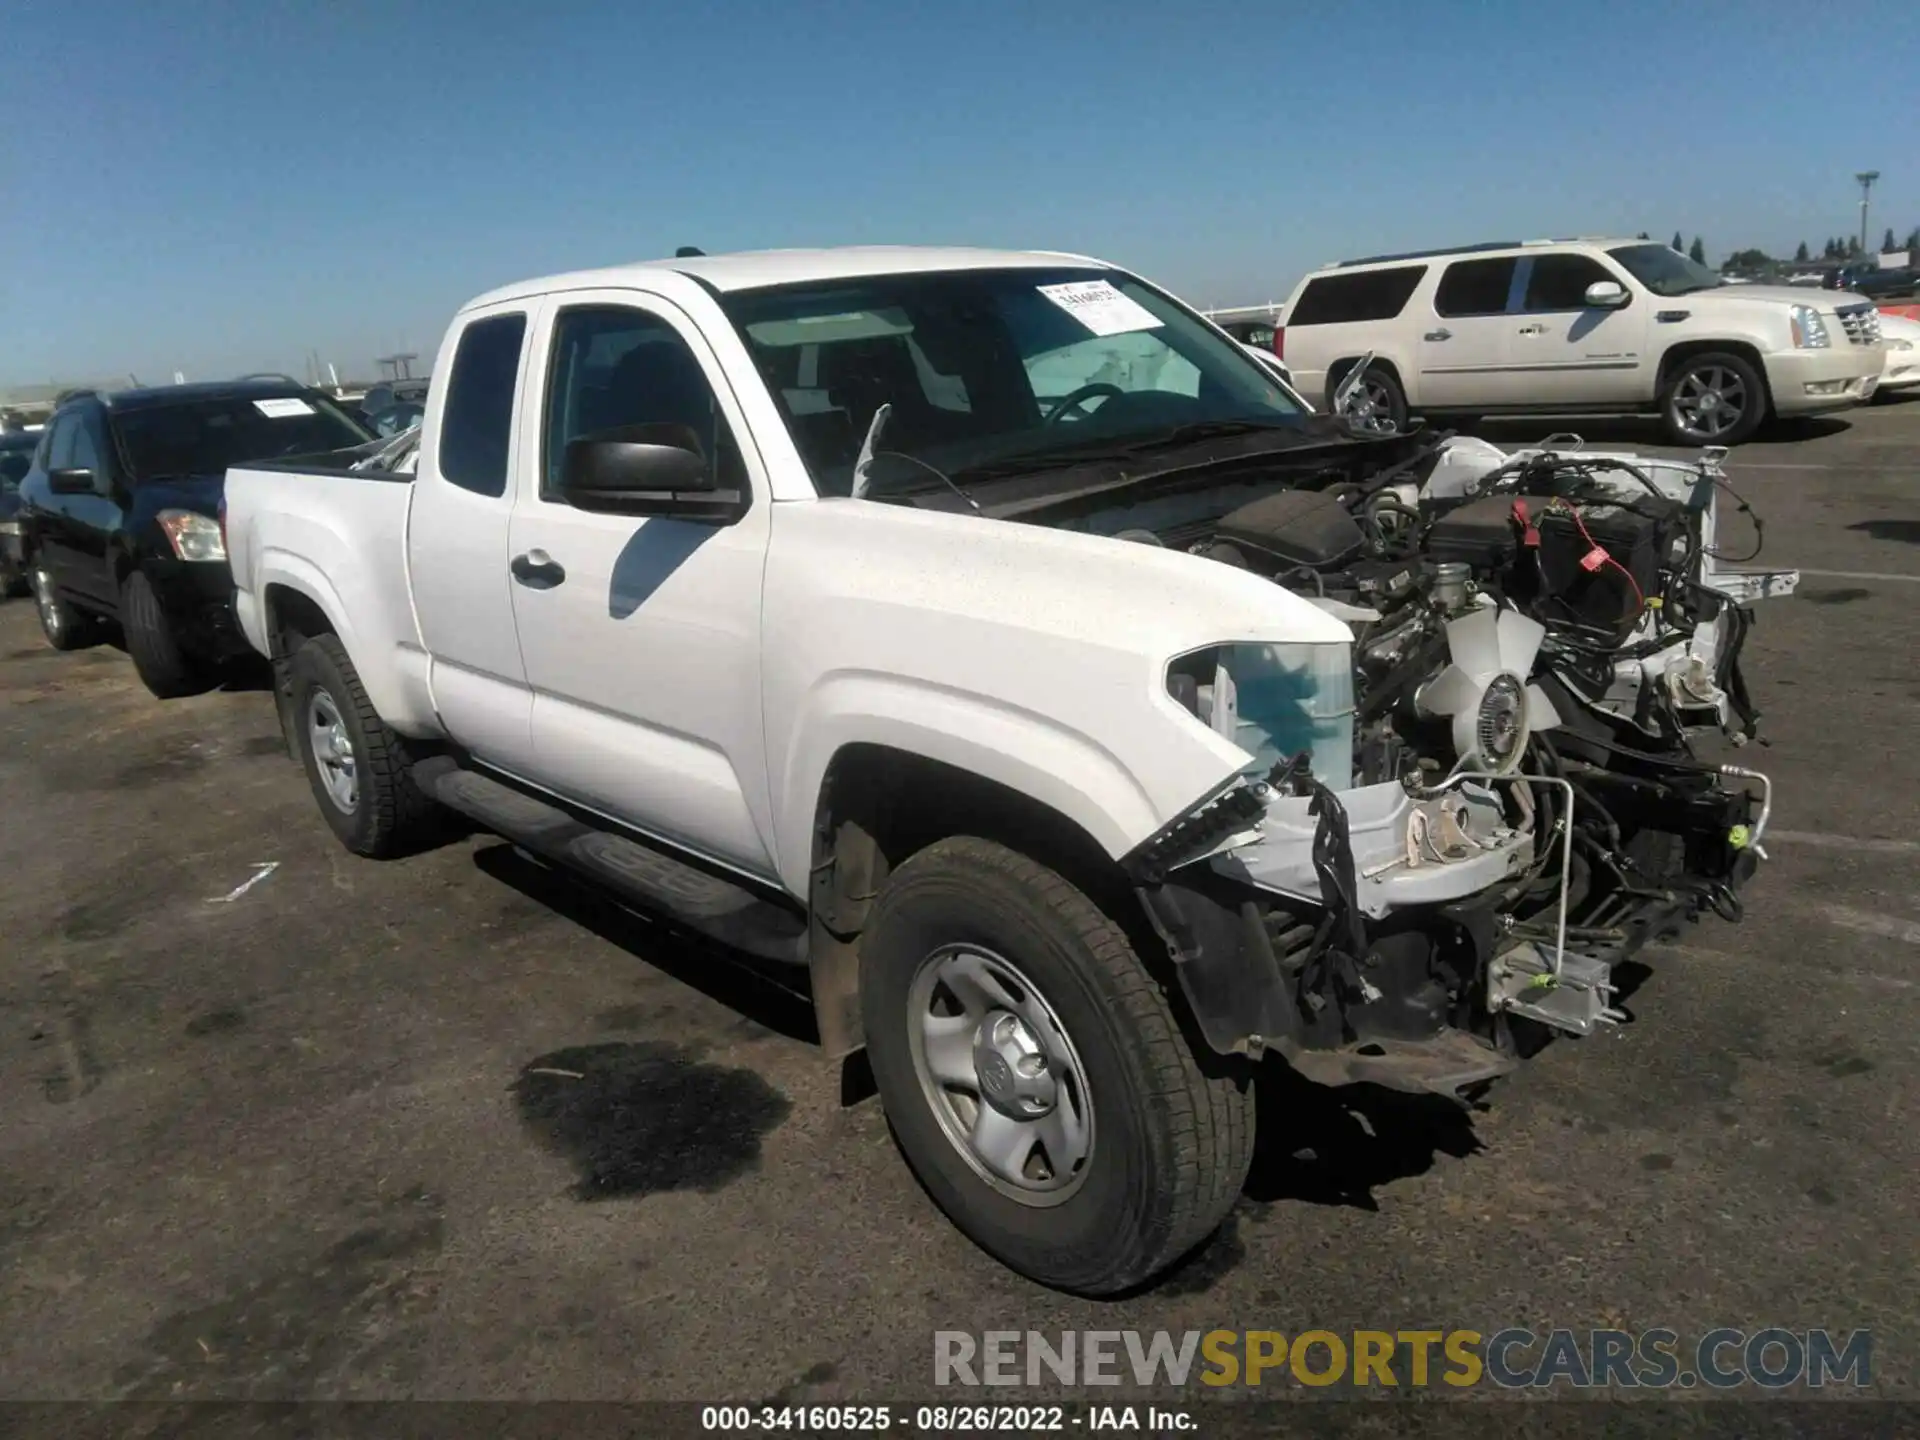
[{"x": 639, "y": 1119}]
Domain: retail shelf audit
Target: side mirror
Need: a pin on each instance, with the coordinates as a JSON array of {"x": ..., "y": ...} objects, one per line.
[
  {"x": 1606, "y": 295},
  {"x": 646, "y": 470},
  {"x": 70, "y": 482}
]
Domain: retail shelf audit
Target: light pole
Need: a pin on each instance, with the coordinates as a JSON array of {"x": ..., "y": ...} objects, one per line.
[{"x": 1866, "y": 179}]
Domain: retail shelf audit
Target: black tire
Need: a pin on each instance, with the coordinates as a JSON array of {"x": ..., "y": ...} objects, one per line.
[
  {"x": 1171, "y": 1146},
  {"x": 65, "y": 627},
  {"x": 1707, "y": 375},
  {"x": 388, "y": 815},
  {"x": 1378, "y": 403},
  {"x": 165, "y": 668}
]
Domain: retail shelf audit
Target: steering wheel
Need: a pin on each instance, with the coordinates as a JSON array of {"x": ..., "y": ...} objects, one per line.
[{"x": 1080, "y": 397}]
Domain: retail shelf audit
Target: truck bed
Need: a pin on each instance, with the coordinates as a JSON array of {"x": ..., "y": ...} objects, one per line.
[{"x": 338, "y": 538}]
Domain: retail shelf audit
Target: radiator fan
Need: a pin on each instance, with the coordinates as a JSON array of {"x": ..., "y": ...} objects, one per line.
[{"x": 1485, "y": 689}]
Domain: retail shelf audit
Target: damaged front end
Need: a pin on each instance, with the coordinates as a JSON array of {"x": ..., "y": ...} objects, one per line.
[{"x": 1452, "y": 831}]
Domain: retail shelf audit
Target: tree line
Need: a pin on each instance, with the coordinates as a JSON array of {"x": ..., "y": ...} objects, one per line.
[{"x": 1835, "y": 249}]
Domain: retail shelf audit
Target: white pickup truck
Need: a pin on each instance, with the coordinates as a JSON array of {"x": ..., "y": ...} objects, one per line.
[{"x": 910, "y": 617}]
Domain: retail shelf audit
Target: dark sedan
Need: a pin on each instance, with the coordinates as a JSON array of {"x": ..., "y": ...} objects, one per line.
[
  {"x": 120, "y": 514},
  {"x": 16, "y": 459}
]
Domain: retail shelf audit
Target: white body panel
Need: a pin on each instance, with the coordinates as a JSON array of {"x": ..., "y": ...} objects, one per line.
[
  {"x": 341, "y": 544},
  {"x": 1033, "y": 657}
]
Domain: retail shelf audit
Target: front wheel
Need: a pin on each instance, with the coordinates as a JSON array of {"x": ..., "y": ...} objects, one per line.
[
  {"x": 1035, "y": 1078},
  {"x": 355, "y": 764},
  {"x": 164, "y": 666},
  {"x": 1712, "y": 399}
]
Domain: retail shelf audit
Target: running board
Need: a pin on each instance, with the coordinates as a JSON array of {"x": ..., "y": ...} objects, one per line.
[{"x": 637, "y": 873}]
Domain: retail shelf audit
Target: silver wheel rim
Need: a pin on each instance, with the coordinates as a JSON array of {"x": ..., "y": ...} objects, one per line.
[
  {"x": 1710, "y": 401},
  {"x": 44, "y": 600},
  {"x": 1370, "y": 407},
  {"x": 332, "y": 750},
  {"x": 1001, "y": 1074}
]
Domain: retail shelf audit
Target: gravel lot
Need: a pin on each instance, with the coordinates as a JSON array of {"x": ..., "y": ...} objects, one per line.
[{"x": 441, "y": 1128}]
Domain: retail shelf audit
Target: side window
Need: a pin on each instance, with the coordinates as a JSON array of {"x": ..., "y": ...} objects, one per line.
[
  {"x": 1559, "y": 282},
  {"x": 1367, "y": 295},
  {"x": 59, "y": 451},
  {"x": 1474, "y": 287},
  {"x": 86, "y": 449},
  {"x": 613, "y": 367},
  {"x": 477, "y": 425}
]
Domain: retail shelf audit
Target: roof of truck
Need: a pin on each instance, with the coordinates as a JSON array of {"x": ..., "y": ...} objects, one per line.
[{"x": 751, "y": 269}]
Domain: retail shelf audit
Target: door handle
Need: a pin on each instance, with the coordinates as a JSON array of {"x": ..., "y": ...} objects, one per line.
[
  {"x": 1441, "y": 334},
  {"x": 537, "y": 570},
  {"x": 1533, "y": 329}
]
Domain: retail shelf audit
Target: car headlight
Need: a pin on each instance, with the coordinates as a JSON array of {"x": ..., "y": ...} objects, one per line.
[
  {"x": 1809, "y": 330},
  {"x": 193, "y": 536},
  {"x": 1274, "y": 701}
]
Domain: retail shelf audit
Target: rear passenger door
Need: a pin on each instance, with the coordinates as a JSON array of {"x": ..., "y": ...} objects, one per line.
[
  {"x": 1565, "y": 350},
  {"x": 1465, "y": 342},
  {"x": 457, "y": 557}
]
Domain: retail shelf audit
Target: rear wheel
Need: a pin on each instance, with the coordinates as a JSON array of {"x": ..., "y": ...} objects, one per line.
[
  {"x": 65, "y": 627},
  {"x": 1377, "y": 405},
  {"x": 355, "y": 764},
  {"x": 1034, "y": 1076},
  {"x": 165, "y": 668},
  {"x": 1712, "y": 399}
]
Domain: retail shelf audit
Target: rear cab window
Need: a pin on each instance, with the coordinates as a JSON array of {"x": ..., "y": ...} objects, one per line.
[
  {"x": 1475, "y": 287},
  {"x": 476, "y": 425},
  {"x": 1341, "y": 299}
]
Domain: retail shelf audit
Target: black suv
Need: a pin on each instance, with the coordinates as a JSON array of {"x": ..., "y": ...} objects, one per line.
[{"x": 120, "y": 514}]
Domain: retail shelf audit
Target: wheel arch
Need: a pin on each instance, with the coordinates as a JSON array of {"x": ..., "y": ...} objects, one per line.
[
  {"x": 877, "y": 806},
  {"x": 1339, "y": 369},
  {"x": 1681, "y": 351}
]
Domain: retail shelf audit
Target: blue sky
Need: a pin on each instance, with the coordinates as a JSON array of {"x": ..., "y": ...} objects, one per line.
[{"x": 217, "y": 187}]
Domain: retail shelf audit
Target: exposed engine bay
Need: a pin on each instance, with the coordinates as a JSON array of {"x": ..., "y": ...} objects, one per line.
[{"x": 1544, "y": 644}]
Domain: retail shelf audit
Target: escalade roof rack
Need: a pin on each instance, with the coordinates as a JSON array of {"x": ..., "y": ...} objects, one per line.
[{"x": 1426, "y": 254}]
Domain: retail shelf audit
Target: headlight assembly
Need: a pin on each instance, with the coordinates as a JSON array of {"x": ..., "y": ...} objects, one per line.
[
  {"x": 193, "y": 536},
  {"x": 1809, "y": 330},
  {"x": 1274, "y": 701}
]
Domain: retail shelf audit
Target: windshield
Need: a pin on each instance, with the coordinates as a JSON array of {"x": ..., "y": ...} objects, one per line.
[
  {"x": 994, "y": 368},
  {"x": 206, "y": 436},
  {"x": 1664, "y": 270}
]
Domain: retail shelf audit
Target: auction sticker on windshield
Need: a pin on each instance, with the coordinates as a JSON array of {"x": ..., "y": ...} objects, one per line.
[
  {"x": 1100, "y": 307},
  {"x": 283, "y": 408}
]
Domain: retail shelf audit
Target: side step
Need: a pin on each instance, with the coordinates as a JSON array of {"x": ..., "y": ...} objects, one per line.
[
  {"x": 1443, "y": 1065},
  {"x": 637, "y": 873}
]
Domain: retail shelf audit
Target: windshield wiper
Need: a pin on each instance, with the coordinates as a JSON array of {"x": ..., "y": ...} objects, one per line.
[{"x": 1102, "y": 452}]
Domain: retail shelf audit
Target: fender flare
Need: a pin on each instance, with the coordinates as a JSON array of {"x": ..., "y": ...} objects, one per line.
[{"x": 1059, "y": 768}]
